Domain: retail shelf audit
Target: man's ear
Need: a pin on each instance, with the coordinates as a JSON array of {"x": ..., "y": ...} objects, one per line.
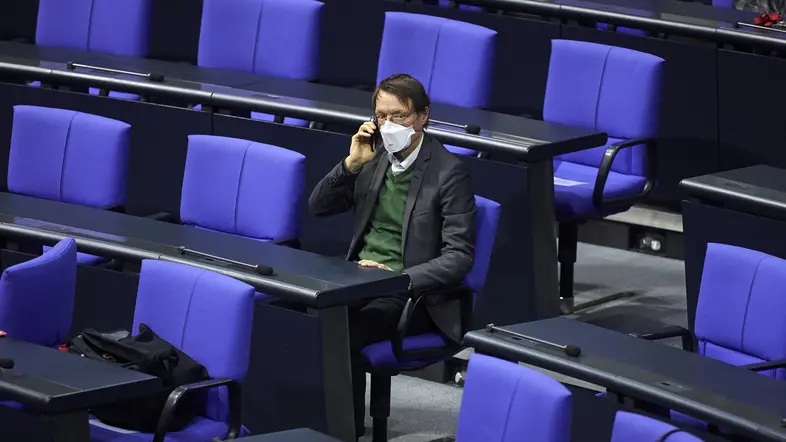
[{"x": 424, "y": 116}]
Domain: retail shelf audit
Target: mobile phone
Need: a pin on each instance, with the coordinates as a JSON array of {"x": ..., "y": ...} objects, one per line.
[{"x": 375, "y": 138}]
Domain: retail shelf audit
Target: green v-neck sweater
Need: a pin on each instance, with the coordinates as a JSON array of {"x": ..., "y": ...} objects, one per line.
[{"x": 382, "y": 242}]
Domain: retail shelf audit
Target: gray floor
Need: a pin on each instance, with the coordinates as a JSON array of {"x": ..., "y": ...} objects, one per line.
[{"x": 423, "y": 411}]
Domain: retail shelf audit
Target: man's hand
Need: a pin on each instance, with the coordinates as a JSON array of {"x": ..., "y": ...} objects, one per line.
[
  {"x": 361, "y": 151},
  {"x": 368, "y": 263}
]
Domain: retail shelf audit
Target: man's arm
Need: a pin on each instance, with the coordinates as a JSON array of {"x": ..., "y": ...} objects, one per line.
[
  {"x": 335, "y": 193},
  {"x": 458, "y": 236}
]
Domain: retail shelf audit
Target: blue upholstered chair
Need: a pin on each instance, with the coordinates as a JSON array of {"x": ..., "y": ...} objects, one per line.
[
  {"x": 739, "y": 316},
  {"x": 726, "y": 4},
  {"x": 69, "y": 156},
  {"x": 243, "y": 188},
  {"x": 208, "y": 316},
  {"x": 274, "y": 38},
  {"x": 37, "y": 296},
  {"x": 630, "y": 427},
  {"x": 453, "y": 59},
  {"x": 388, "y": 358},
  {"x": 616, "y": 91},
  {"x": 118, "y": 27},
  {"x": 504, "y": 401}
]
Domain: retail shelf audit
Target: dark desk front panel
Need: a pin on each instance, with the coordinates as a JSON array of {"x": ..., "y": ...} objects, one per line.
[
  {"x": 174, "y": 29},
  {"x": 159, "y": 140},
  {"x": 751, "y": 114},
  {"x": 688, "y": 120},
  {"x": 18, "y": 19}
]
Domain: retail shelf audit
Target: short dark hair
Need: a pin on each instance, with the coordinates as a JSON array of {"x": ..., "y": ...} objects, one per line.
[{"x": 406, "y": 88}]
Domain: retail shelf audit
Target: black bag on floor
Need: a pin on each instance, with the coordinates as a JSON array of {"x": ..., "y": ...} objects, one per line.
[{"x": 149, "y": 354}]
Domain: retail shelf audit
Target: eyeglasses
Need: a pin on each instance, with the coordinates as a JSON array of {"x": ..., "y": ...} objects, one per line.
[{"x": 396, "y": 118}]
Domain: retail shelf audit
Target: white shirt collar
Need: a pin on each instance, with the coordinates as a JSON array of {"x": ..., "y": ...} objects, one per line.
[{"x": 397, "y": 166}]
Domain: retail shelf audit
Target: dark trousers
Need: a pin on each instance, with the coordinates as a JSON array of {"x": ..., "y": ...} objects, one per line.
[{"x": 374, "y": 321}]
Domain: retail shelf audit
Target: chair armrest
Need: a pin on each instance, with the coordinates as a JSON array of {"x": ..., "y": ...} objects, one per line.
[
  {"x": 764, "y": 366},
  {"x": 422, "y": 299},
  {"x": 672, "y": 331},
  {"x": 651, "y": 172},
  {"x": 233, "y": 388},
  {"x": 162, "y": 216}
]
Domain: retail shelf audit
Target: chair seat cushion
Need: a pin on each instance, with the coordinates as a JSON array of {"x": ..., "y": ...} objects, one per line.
[
  {"x": 461, "y": 150},
  {"x": 199, "y": 430},
  {"x": 287, "y": 120},
  {"x": 574, "y": 184},
  {"x": 86, "y": 259},
  {"x": 380, "y": 354}
]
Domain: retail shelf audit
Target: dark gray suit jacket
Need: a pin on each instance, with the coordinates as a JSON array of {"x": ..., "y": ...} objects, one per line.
[{"x": 438, "y": 236}]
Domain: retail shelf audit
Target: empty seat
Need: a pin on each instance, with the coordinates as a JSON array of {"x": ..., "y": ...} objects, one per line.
[
  {"x": 244, "y": 188},
  {"x": 118, "y": 27},
  {"x": 630, "y": 427},
  {"x": 387, "y": 358},
  {"x": 616, "y": 91},
  {"x": 208, "y": 316},
  {"x": 37, "y": 296},
  {"x": 69, "y": 156},
  {"x": 452, "y": 59},
  {"x": 504, "y": 401},
  {"x": 274, "y": 38}
]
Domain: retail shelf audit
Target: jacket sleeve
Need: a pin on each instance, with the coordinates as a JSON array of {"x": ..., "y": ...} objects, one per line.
[
  {"x": 333, "y": 194},
  {"x": 457, "y": 204}
]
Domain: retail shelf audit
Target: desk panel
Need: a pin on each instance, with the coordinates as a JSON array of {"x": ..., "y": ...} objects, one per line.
[
  {"x": 520, "y": 70},
  {"x": 688, "y": 123},
  {"x": 158, "y": 140},
  {"x": 749, "y": 115}
]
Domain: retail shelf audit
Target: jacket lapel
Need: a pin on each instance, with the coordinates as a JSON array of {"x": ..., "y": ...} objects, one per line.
[
  {"x": 369, "y": 202},
  {"x": 414, "y": 188}
]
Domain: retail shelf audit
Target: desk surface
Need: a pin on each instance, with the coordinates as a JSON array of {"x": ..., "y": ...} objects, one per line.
[
  {"x": 708, "y": 389},
  {"x": 53, "y": 381},
  {"x": 300, "y": 276},
  {"x": 756, "y": 189},
  {"x": 54, "y": 54}
]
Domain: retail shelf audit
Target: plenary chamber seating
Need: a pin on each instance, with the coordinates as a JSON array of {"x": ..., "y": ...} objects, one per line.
[
  {"x": 208, "y": 316},
  {"x": 274, "y": 38},
  {"x": 242, "y": 188},
  {"x": 630, "y": 427},
  {"x": 118, "y": 27},
  {"x": 69, "y": 156},
  {"x": 504, "y": 401},
  {"x": 616, "y": 91},
  {"x": 388, "y": 358},
  {"x": 453, "y": 4},
  {"x": 739, "y": 316},
  {"x": 453, "y": 59},
  {"x": 37, "y": 296}
]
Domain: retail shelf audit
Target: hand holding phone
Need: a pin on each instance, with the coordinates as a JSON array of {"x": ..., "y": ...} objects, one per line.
[{"x": 363, "y": 144}]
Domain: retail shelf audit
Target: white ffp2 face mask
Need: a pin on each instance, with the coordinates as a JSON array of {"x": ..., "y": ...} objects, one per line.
[{"x": 396, "y": 137}]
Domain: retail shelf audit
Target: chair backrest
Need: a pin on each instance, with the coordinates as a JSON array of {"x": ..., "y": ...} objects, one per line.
[
  {"x": 448, "y": 3},
  {"x": 68, "y": 156},
  {"x": 631, "y": 427},
  {"x": 242, "y": 187},
  {"x": 604, "y": 88},
  {"x": 739, "y": 316},
  {"x": 205, "y": 314},
  {"x": 276, "y": 38},
  {"x": 486, "y": 222},
  {"x": 452, "y": 59},
  {"x": 726, "y": 4},
  {"x": 37, "y": 296},
  {"x": 119, "y": 27},
  {"x": 505, "y": 402}
]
